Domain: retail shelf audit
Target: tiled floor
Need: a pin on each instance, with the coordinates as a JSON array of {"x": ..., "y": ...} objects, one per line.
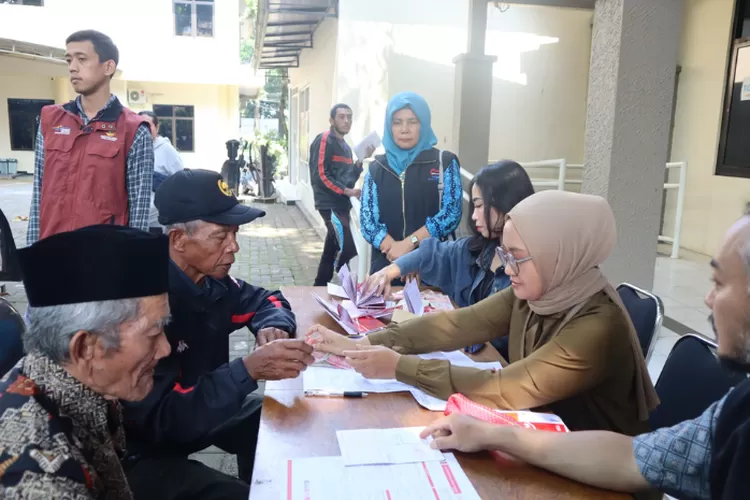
[{"x": 682, "y": 285}]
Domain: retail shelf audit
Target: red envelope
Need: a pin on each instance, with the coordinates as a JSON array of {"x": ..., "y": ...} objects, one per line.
[{"x": 458, "y": 403}]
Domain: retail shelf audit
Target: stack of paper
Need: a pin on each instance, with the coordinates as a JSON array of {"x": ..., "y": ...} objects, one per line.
[
  {"x": 382, "y": 464},
  {"x": 413, "y": 298},
  {"x": 327, "y": 478},
  {"x": 366, "y": 301},
  {"x": 323, "y": 378},
  {"x": 385, "y": 446},
  {"x": 318, "y": 378},
  {"x": 353, "y": 326}
]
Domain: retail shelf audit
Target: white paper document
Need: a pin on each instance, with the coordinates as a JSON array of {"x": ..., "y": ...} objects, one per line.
[
  {"x": 386, "y": 446},
  {"x": 458, "y": 358},
  {"x": 335, "y": 290},
  {"x": 326, "y": 478},
  {"x": 428, "y": 402},
  {"x": 373, "y": 139},
  {"x": 322, "y": 378}
]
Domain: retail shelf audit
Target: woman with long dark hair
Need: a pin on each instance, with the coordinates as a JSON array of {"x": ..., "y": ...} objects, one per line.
[{"x": 468, "y": 270}]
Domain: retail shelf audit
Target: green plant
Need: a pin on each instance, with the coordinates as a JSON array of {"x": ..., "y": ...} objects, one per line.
[{"x": 277, "y": 148}]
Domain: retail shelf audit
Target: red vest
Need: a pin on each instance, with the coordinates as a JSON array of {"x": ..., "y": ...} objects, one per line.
[{"x": 84, "y": 167}]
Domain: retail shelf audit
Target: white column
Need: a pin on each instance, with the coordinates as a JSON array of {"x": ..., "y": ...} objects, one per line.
[{"x": 631, "y": 84}]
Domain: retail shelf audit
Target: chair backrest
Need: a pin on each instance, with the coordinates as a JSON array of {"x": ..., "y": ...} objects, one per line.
[
  {"x": 12, "y": 328},
  {"x": 646, "y": 312},
  {"x": 9, "y": 267},
  {"x": 691, "y": 380}
]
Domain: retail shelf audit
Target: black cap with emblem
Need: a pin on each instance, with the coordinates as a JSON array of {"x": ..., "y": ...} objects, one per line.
[{"x": 200, "y": 195}]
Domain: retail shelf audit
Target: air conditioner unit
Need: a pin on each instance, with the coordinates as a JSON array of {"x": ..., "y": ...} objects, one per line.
[{"x": 137, "y": 96}]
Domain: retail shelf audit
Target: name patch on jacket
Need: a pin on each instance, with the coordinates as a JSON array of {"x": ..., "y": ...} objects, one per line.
[
  {"x": 60, "y": 130},
  {"x": 109, "y": 136}
]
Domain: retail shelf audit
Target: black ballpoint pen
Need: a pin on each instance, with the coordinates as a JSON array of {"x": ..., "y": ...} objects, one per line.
[{"x": 337, "y": 394}]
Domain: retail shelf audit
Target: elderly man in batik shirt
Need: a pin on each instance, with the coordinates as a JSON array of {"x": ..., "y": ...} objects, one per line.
[{"x": 97, "y": 308}]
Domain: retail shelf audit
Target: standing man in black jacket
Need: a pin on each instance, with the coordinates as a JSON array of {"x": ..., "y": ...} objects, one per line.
[
  {"x": 199, "y": 397},
  {"x": 333, "y": 175}
]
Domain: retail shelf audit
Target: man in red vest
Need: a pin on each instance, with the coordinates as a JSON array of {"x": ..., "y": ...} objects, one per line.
[{"x": 94, "y": 158}]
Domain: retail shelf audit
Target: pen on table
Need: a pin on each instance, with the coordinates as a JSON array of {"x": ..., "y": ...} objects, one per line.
[{"x": 337, "y": 394}]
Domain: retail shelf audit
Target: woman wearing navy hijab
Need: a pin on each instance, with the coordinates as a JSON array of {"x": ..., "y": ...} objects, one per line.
[{"x": 412, "y": 192}]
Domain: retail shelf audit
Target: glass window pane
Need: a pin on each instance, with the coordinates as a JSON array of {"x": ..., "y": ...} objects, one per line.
[
  {"x": 183, "y": 111},
  {"x": 205, "y": 19},
  {"x": 165, "y": 130},
  {"x": 162, "y": 110},
  {"x": 184, "y": 135},
  {"x": 183, "y": 19},
  {"x": 23, "y": 115}
]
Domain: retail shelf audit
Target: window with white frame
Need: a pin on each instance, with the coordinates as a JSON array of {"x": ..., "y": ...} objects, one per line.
[
  {"x": 304, "y": 134},
  {"x": 176, "y": 123},
  {"x": 193, "y": 18}
]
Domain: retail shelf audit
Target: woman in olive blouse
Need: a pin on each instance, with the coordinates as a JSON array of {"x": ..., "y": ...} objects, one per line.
[{"x": 573, "y": 349}]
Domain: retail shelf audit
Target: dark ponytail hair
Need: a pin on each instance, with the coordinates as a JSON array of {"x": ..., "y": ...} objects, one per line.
[
  {"x": 503, "y": 185},
  {"x": 151, "y": 115}
]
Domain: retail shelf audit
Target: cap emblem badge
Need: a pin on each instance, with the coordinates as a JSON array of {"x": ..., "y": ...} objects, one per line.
[{"x": 224, "y": 188}]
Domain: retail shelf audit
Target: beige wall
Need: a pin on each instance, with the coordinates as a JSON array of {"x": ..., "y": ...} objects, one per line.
[
  {"x": 377, "y": 49},
  {"x": 216, "y": 107},
  {"x": 23, "y": 79},
  {"x": 540, "y": 79},
  {"x": 316, "y": 70},
  {"x": 712, "y": 202}
]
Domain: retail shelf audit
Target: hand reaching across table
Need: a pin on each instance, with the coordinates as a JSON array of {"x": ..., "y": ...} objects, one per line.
[
  {"x": 334, "y": 342},
  {"x": 373, "y": 361},
  {"x": 459, "y": 432}
]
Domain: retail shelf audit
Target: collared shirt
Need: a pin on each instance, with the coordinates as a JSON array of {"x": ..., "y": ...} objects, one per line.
[
  {"x": 58, "y": 438},
  {"x": 138, "y": 175},
  {"x": 677, "y": 460}
]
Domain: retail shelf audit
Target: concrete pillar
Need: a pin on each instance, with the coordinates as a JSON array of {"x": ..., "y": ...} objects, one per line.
[
  {"x": 477, "y": 27},
  {"x": 472, "y": 93},
  {"x": 631, "y": 85},
  {"x": 472, "y": 96}
]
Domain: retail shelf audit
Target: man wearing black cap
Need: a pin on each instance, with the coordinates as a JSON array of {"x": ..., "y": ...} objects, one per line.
[
  {"x": 96, "y": 335},
  {"x": 199, "y": 397}
]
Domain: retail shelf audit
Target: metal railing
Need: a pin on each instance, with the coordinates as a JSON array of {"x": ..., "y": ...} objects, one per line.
[
  {"x": 680, "y": 187},
  {"x": 364, "y": 249},
  {"x": 562, "y": 181}
]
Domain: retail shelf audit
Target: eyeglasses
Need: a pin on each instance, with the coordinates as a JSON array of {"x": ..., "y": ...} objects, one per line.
[{"x": 508, "y": 260}]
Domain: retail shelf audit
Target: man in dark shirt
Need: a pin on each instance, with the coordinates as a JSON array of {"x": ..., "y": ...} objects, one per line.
[
  {"x": 199, "y": 397},
  {"x": 333, "y": 175}
]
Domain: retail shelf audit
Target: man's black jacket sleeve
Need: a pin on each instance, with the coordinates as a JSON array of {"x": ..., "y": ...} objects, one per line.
[
  {"x": 175, "y": 415},
  {"x": 258, "y": 308}
]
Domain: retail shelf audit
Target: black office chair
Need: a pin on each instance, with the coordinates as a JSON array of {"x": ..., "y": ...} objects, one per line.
[
  {"x": 691, "y": 380},
  {"x": 10, "y": 270},
  {"x": 646, "y": 311},
  {"x": 12, "y": 328}
]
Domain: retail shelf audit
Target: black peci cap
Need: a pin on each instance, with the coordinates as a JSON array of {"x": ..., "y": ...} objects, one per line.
[
  {"x": 200, "y": 195},
  {"x": 95, "y": 263}
]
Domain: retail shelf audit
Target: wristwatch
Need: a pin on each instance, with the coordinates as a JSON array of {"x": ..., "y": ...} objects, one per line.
[{"x": 414, "y": 240}]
